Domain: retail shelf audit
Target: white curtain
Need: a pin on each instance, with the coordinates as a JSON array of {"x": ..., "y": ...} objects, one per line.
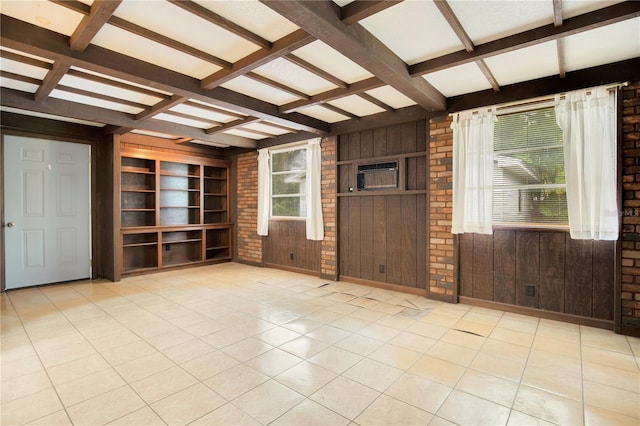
[
  {"x": 264, "y": 191},
  {"x": 315, "y": 223},
  {"x": 588, "y": 123},
  {"x": 473, "y": 171}
]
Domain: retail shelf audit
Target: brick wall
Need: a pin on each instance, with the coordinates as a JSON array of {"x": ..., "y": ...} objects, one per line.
[
  {"x": 631, "y": 209},
  {"x": 441, "y": 243},
  {"x": 249, "y": 242},
  {"x": 328, "y": 247}
]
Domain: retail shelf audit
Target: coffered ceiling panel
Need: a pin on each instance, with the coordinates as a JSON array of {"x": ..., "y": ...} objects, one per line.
[{"x": 255, "y": 73}]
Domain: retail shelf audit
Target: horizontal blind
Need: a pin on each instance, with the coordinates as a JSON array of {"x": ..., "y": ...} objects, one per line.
[{"x": 529, "y": 180}]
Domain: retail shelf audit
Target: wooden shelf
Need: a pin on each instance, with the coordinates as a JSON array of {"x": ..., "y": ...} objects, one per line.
[{"x": 174, "y": 210}]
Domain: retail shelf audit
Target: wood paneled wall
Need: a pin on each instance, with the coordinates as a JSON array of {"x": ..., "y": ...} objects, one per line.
[
  {"x": 569, "y": 276},
  {"x": 287, "y": 245}
]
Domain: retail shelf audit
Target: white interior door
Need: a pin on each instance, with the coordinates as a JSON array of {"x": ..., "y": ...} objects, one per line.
[{"x": 47, "y": 211}]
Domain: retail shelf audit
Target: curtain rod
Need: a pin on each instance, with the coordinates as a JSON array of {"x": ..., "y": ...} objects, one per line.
[{"x": 537, "y": 101}]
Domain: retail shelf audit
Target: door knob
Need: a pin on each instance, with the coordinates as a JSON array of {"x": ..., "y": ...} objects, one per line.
[{"x": 11, "y": 224}]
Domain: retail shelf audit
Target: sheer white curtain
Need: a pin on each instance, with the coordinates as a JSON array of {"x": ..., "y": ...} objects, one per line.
[
  {"x": 473, "y": 171},
  {"x": 315, "y": 223},
  {"x": 264, "y": 191},
  {"x": 588, "y": 123}
]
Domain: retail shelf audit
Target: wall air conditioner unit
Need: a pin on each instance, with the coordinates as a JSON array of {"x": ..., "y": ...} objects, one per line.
[{"x": 378, "y": 176}]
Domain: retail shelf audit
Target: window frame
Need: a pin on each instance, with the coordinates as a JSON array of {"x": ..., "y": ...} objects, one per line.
[
  {"x": 496, "y": 224},
  {"x": 302, "y": 196}
]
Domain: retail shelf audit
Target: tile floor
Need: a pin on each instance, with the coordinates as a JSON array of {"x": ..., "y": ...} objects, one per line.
[{"x": 232, "y": 344}]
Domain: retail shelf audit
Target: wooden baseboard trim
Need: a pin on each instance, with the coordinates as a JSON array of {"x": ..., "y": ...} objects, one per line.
[
  {"x": 384, "y": 286},
  {"x": 540, "y": 313}
]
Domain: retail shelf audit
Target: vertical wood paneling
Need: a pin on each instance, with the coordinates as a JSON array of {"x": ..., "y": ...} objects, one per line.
[
  {"x": 353, "y": 231},
  {"x": 395, "y": 237},
  {"x": 354, "y": 146},
  {"x": 343, "y": 238},
  {"x": 379, "y": 237},
  {"x": 527, "y": 267},
  {"x": 366, "y": 144},
  {"x": 380, "y": 142},
  {"x": 483, "y": 267},
  {"x": 579, "y": 283},
  {"x": 408, "y": 254},
  {"x": 552, "y": 267},
  {"x": 287, "y": 237},
  {"x": 603, "y": 279},
  {"x": 394, "y": 140},
  {"x": 466, "y": 261},
  {"x": 504, "y": 266},
  {"x": 366, "y": 238},
  {"x": 421, "y": 238}
]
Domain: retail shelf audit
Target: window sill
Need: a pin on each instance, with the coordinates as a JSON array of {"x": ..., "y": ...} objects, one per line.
[{"x": 530, "y": 227}]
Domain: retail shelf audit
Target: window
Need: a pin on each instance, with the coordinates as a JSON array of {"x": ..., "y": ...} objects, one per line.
[
  {"x": 528, "y": 176},
  {"x": 288, "y": 183}
]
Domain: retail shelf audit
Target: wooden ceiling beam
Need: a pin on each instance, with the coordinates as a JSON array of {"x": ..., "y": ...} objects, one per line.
[
  {"x": 329, "y": 95},
  {"x": 277, "y": 85},
  {"x": 214, "y": 109},
  {"x": 193, "y": 117},
  {"x": 557, "y": 22},
  {"x": 315, "y": 70},
  {"x": 340, "y": 111},
  {"x": 102, "y": 97},
  {"x": 321, "y": 19},
  {"x": 360, "y": 9},
  {"x": 4, "y": 54},
  {"x": 281, "y": 47},
  {"x": 21, "y": 78},
  {"x": 588, "y": 21},
  {"x": 375, "y": 101},
  {"x": 115, "y": 83},
  {"x": 221, "y": 22},
  {"x": 58, "y": 107},
  {"x": 51, "y": 80},
  {"x": 31, "y": 39},
  {"x": 160, "y": 107},
  {"x": 232, "y": 125},
  {"x": 101, "y": 11}
]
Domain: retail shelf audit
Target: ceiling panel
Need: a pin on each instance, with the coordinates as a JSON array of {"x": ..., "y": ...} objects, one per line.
[
  {"x": 571, "y": 8},
  {"x": 42, "y": 13},
  {"x": 458, "y": 80},
  {"x": 109, "y": 90},
  {"x": 253, "y": 16},
  {"x": 259, "y": 90},
  {"x": 51, "y": 116},
  {"x": 199, "y": 112},
  {"x": 265, "y": 127},
  {"x": 330, "y": 60},
  {"x": 21, "y": 68},
  {"x": 170, "y": 21},
  {"x": 180, "y": 120},
  {"x": 486, "y": 21},
  {"x": 414, "y": 30},
  {"x": 391, "y": 97},
  {"x": 357, "y": 105},
  {"x": 244, "y": 134},
  {"x": 323, "y": 114},
  {"x": 530, "y": 63},
  {"x": 124, "y": 42},
  {"x": 603, "y": 45},
  {"x": 294, "y": 76},
  {"x": 18, "y": 85},
  {"x": 88, "y": 100}
]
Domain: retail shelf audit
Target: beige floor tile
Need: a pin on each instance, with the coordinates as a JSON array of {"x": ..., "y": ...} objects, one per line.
[
  {"x": 431, "y": 331},
  {"x": 439, "y": 421},
  {"x": 359, "y": 344},
  {"x": 106, "y": 408},
  {"x": 302, "y": 325},
  {"x": 520, "y": 323},
  {"x": 547, "y": 406},
  {"x": 516, "y": 418},
  {"x": 465, "y": 409},
  {"x": 345, "y": 397},
  {"x": 58, "y": 418},
  {"x": 23, "y": 385},
  {"x": 163, "y": 384},
  {"x": 144, "y": 367},
  {"x": 374, "y": 374},
  {"x": 395, "y": 321},
  {"x": 236, "y": 381},
  {"x": 389, "y": 411},
  {"x": 209, "y": 365},
  {"x": 437, "y": 370},
  {"x": 607, "y": 357},
  {"x": 30, "y": 408},
  {"x": 512, "y": 336},
  {"x": 186, "y": 351},
  {"x": 492, "y": 388},
  {"x": 349, "y": 323},
  {"x": 596, "y": 416},
  {"x": 611, "y": 376},
  {"x": 76, "y": 369},
  {"x": 470, "y": 341},
  {"x": 128, "y": 352},
  {"x": 89, "y": 386},
  {"x": 419, "y": 392},
  {"x": 329, "y": 334},
  {"x": 188, "y": 405},
  {"x": 452, "y": 353},
  {"x": 555, "y": 346},
  {"x": 310, "y": 413},
  {"x": 278, "y": 336},
  {"x": 505, "y": 367},
  {"x": 413, "y": 342},
  {"x": 228, "y": 414},
  {"x": 379, "y": 332},
  {"x": 482, "y": 329},
  {"x": 169, "y": 338},
  {"x": 604, "y": 339},
  {"x": 305, "y": 346},
  {"x": 224, "y": 337},
  {"x": 335, "y": 359},
  {"x": 395, "y": 356},
  {"x": 613, "y": 399},
  {"x": 268, "y": 401},
  {"x": 555, "y": 381},
  {"x": 145, "y": 416},
  {"x": 247, "y": 349},
  {"x": 306, "y": 378},
  {"x": 274, "y": 362}
]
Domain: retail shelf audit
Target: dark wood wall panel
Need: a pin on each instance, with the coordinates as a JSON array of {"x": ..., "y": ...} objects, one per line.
[
  {"x": 288, "y": 237},
  {"x": 569, "y": 276}
]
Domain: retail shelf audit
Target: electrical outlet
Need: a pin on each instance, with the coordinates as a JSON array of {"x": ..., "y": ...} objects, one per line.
[
  {"x": 167, "y": 247},
  {"x": 291, "y": 256},
  {"x": 531, "y": 290},
  {"x": 381, "y": 269}
]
